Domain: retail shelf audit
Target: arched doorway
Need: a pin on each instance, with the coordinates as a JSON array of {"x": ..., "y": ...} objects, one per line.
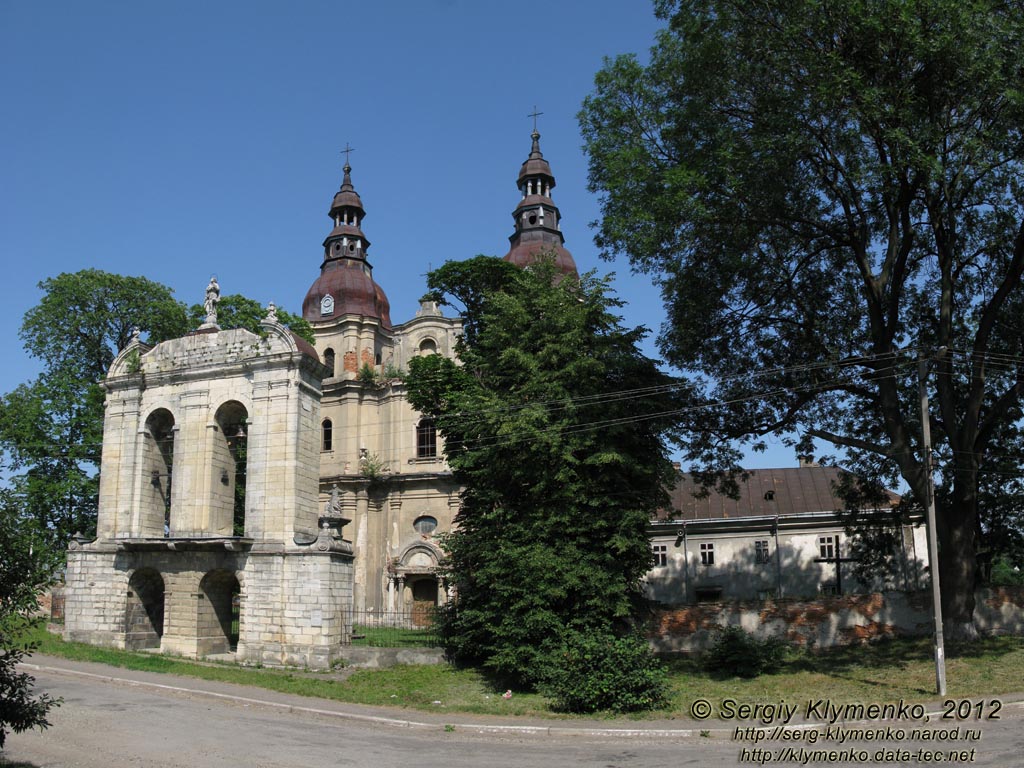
[
  {"x": 157, "y": 464},
  {"x": 230, "y": 464},
  {"x": 144, "y": 613},
  {"x": 218, "y": 619}
]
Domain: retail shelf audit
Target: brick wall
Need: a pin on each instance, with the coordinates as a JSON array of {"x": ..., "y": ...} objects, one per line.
[{"x": 829, "y": 621}]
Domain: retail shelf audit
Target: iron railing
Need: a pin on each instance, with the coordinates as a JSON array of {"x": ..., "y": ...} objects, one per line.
[{"x": 415, "y": 627}]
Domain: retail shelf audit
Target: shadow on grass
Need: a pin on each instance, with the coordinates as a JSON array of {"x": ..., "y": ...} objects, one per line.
[{"x": 852, "y": 662}]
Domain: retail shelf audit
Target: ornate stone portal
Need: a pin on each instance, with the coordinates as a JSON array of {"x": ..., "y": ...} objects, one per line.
[{"x": 209, "y": 535}]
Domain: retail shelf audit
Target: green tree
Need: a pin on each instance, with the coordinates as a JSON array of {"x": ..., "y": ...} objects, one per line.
[
  {"x": 26, "y": 568},
  {"x": 826, "y": 190},
  {"x": 237, "y": 311},
  {"x": 562, "y": 460},
  {"x": 51, "y": 428}
]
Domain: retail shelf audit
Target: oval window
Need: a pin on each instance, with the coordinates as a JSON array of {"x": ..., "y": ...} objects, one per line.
[{"x": 425, "y": 524}]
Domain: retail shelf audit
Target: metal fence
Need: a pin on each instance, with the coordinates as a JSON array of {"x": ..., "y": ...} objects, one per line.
[{"x": 416, "y": 627}]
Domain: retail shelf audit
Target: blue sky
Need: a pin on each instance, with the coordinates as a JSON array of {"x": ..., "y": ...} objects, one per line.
[{"x": 180, "y": 140}]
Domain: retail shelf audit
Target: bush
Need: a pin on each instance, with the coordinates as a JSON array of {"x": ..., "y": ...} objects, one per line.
[
  {"x": 738, "y": 653},
  {"x": 595, "y": 672},
  {"x": 1005, "y": 574}
]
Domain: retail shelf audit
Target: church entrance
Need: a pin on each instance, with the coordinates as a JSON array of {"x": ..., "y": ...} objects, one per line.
[{"x": 424, "y": 601}]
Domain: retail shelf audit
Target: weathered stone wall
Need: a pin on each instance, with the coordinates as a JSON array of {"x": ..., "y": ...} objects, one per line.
[
  {"x": 829, "y": 621},
  {"x": 287, "y": 581}
]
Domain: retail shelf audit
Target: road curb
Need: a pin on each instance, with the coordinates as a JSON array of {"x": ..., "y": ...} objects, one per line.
[
  {"x": 480, "y": 728},
  {"x": 518, "y": 730}
]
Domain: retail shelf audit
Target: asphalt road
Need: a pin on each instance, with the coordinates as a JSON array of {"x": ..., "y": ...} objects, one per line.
[{"x": 107, "y": 724}]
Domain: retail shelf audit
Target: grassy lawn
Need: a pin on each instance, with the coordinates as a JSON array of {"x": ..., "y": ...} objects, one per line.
[
  {"x": 877, "y": 673},
  {"x": 392, "y": 637}
]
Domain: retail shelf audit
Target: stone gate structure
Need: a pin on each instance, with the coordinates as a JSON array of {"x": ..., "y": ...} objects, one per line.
[{"x": 209, "y": 537}]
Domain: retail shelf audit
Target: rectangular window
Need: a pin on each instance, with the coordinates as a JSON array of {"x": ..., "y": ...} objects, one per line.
[
  {"x": 829, "y": 590},
  {"x": 827, "y": 546},
  {"x": 761, "y": 552},
  {"x": 707, "y": 554},
  {"x": 708, "y": 594},
  {"x": 660, "y": 552}
]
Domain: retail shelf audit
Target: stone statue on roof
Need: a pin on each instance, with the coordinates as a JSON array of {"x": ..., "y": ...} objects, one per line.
[{"x": 212, "y": 299}]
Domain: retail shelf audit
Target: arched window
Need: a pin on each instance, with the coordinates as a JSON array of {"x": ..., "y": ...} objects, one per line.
[
  {"x": 426, "y": 440},
  {"x": 428, "y": 347},
  {"x": 230, "y": 468},
  {"x": 327, "y": 435},
  {"x": 329, "y": 360},
  {"x": 154, "y": 518}
]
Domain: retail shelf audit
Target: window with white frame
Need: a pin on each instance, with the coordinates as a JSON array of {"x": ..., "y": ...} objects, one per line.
[
  {"x": 660, "y": 552},
  {"x": 707, "y": 554},
  {"x": 827, "y": 546}
]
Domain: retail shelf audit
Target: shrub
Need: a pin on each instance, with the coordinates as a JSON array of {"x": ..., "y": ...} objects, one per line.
[
  {"x": 595, "y": 672},
  {"x": 736, "y": 652}
]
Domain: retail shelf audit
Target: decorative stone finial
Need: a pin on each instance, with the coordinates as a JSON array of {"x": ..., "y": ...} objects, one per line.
[
  {"x": 136, "y": 332},
  {"x": 271, "y": 313}
]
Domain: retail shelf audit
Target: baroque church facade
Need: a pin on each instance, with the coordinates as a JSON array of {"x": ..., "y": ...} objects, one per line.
[
  {"x": 382, "y": 466},
  {"x": 259, "y": 494}
]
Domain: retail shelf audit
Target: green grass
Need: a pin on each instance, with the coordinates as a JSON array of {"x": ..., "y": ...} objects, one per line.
[
  {"x": 876, "y": 673},
  {"x": 394, "y": 637}
]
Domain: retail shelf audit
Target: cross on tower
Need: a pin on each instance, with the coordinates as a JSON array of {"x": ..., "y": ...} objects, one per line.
[
  {"x": 535, "y": 114},
  {"x": 347, "y": 150}
]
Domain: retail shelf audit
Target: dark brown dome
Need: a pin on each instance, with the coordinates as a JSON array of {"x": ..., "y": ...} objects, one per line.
[
  {"x": 352, "y": 290},
  {"x": 524, "y": 253}
]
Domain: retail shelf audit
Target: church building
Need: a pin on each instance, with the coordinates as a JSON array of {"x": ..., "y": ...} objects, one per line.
[
  {"x": 382, "y": 467},
  {"x": 259, "y": 496}
]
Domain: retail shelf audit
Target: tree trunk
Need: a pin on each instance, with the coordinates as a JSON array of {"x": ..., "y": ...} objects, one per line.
[{"x": 957, "y": 561}]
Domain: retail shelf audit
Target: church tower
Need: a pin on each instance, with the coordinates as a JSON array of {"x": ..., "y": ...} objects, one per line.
[
  {"x": 382, "y": 473},
  {"x": 537, "y": 219}
]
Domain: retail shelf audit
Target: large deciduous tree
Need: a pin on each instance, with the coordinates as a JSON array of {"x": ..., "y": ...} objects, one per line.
[
  {"x": 51, "y": 428},
  {"x": 554, "y": 423},
  {"x": 826, "y": 190}
]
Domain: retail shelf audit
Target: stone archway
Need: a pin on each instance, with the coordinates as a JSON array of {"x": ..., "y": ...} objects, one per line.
[
  {"x": 218, "y": 618},
  {"x": 144, "y": 611}
]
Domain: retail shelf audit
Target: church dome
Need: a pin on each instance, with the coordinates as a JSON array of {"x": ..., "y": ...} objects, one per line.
[{"x": 345, "y": 288}]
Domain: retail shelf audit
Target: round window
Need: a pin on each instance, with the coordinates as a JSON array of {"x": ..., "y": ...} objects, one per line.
[{"x": 425, "y": 524}]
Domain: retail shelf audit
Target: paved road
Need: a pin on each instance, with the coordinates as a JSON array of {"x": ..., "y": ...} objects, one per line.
[{"x": 106, "y": 724}]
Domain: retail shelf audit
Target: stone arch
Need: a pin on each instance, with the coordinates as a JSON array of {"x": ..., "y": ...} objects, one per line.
[
  {"x": 144, "y": 610},
  {"x": 428, "y": 346},
  {"x": 329, "y": 360},
  {"x": 218, "y": 613},
  {"x": 415, "y": 582},
  {"x": 156, "y": 469},
  {"x": 229, "y": 469}
]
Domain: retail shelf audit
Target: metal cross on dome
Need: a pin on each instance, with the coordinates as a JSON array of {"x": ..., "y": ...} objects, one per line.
[
  {"x": 535, "y": 114},
  {"x": 347, "y": 150}
]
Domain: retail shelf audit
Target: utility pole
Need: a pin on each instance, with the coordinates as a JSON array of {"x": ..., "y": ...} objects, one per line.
[{"x": 933, "y": 544}]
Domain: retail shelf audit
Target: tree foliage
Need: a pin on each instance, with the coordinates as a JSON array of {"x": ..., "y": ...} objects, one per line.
[
  {"x": 51, "y": 428},
  {"x": 825, "y": 191},
  {"x": 562, "y": 463},
  {"x": 237, "y": 311},
  {"x": 26, "y": 568}
]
